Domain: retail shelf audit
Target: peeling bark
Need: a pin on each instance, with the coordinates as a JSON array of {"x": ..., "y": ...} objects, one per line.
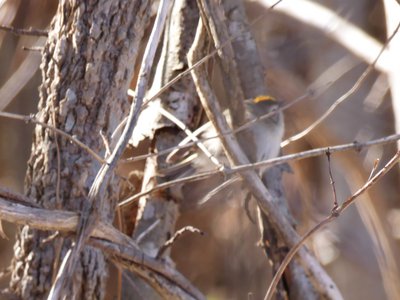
[
  {"x": 158, "y": 212},
  {"x": 180, "y": 100}
]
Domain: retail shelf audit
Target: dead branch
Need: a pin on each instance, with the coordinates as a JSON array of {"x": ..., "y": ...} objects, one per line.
[
  {"x": 176, "y": 236},
  {"x": 30, "y": 31},
  {"x": 94, "y": 204},
  {"x": 345, "y": 96},
  {"x": 358, "y": 146},
  {"x": 336, "y": 212},
  {"x": 119, "y": 246},
  {"x": 255, "y": 185},
  {"x": 319, "y": 16},
  {"x": 32, "y": 119}
]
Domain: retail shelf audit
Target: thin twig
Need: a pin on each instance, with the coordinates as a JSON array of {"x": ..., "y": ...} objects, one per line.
[
  {"x": 236, "y": 156},
  {"x": 334, "y": 214},
  {"x": 32, "y": 119},
  {"x": 188, "y": 132},
  {"x": 5, "y": 272},
  {"x": 358, "y": 146},
  {"x": 92, "y": 207},
  {"x": 335, "y": 201},
  {"x": 106, "y": 143},
  {"x": 50, "y": 238},
  {"x": 20, "y": 77},
  {"x": 207, "y": 57},
  {"x": 172, "y": 283},
  {"x": 17, "y": 198},
  {"x": 176, "y": 236},
  {"x": 375, "y": 166},
  {"x": 148, "y": 230},
  {"x": 193, "y": 137},
  {"x": 344, "y": 97},
  {"x": 338, "y": 29},
  {"x": 33, "y": 48},
  {"x": 185, "y": 143},
  {"x": 369, "y": 183},
  {"x": 58, "y": 245},
  {"x": 119, "y": 246},
  {"x": 164, "y": 185},
  {"x": 30, "y": 31},
  {"x": 199, "y": 63}
]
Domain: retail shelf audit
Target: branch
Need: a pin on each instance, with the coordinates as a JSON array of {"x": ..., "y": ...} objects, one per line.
[
  {"x": 358, "y": 146},
  {"x": 205, "y": 58},
  {"x": 105, "y": 236},
  {"x": 392, "y": 15},
  {"x": 255, "y": 185},
  {"x": 342, "y": 32},
  {"x": 32, "y": 119},
  {"x": 191, "y": 135},
  {"x": 186, "y": 142},
  {"x": 211, "y": 14},
  {"x": 30, "y": 31},
  {"x": 159, "y": 275},
  {"x": 335, "y": 201},
  {"x": 176, "y": 236},
  {"x": 335, "y": 214},
  {"x": 17, "y": 198},
  {"x": 344, "y": 97},
  {"x": 33, "y": 48},
  {"x": 94, "y": 204},
  {"x": 20, "y": 77}
]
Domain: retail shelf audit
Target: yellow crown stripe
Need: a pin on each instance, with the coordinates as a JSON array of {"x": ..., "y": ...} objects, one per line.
[{"x": 263, "y": 98}]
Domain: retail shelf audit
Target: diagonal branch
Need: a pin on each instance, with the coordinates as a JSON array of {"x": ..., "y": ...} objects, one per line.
[
  {"x": 255, "y": 185},
  {"x": 336, "y": 211},
  {"x": 94, "y": 204},
  {"x": 343, "y": 32},
  {"x": 32, "y": 119},
  {"x": 30, "y": 31},
  {"x": 117, "y": 245},
  {"x": 358, "y": 146},
  {"x": 345, "y": 96}
]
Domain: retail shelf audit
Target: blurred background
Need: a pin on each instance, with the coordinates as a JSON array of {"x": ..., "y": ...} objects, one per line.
[
  {"x": 360, "y": 250},
  {"x": 19, "y": 81}
]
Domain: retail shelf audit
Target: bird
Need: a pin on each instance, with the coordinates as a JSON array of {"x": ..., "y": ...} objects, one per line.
[{"x": 260, "y": 140}]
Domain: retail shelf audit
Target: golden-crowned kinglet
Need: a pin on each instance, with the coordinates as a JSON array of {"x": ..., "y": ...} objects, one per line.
[{"x": 260, "y": 140}]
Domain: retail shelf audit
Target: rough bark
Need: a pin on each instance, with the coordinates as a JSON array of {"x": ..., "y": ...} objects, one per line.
[
  {"x": 251, "y": 78},
  {"x": 86, "y": 68},
  {"x": 158, "y": 212},
  {"x": 180, "y": 101},
  {"x": 251, "y": 72}
]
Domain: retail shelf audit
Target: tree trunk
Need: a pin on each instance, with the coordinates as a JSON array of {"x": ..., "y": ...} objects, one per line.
[
  {"x": 86, "y": 67},
  {"x": 158, "y": 212}
]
